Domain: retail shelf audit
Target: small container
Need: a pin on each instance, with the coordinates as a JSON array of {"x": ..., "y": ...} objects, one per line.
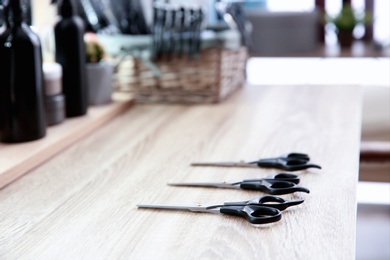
[
  {"x": 99, "y": 78},
  {"x": 55, "y": 109},
  {"x": 52, "y": 74}
]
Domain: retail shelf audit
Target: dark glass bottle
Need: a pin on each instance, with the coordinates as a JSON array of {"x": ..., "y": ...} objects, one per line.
[
  {"x": 22, "y": 116},
  {"x": 70, "y": 53}
]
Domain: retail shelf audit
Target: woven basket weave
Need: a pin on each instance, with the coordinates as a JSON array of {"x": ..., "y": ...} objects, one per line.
[{"x": 211, "y": 78}]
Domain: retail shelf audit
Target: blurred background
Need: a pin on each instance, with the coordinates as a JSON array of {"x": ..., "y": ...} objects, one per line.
[
  {"x": 290, "y": 42},
  {"x": 279, "y": 27}
]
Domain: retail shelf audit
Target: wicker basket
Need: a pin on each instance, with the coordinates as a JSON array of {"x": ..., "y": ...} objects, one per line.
[{"x": 211, "y": 78}]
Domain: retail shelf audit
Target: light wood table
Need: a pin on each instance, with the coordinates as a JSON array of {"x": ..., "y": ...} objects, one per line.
[
  {"x": 20, "y": 158},
  {"x": 82, "y": 203}
]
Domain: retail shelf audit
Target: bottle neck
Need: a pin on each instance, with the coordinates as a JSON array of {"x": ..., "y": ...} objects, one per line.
[
  {"x": 66, "y": 8},
  {"x": 13, "y": 13}
]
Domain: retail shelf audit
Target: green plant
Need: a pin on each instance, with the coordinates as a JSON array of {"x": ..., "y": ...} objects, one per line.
[
  {"x": 93, "y": 49},
  {"x": 347, "y": 19}
]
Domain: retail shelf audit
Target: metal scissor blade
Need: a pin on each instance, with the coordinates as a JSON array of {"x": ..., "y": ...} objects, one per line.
[
  {"x": 227, "y": 185},
  {"x": 226, "y": 164},
  {"x": 212, "y": 208}
]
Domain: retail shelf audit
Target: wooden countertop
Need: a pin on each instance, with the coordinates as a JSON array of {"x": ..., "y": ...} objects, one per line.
[
  {"x": 82, "y": 203},
  {"x": 20, "y": 158}
]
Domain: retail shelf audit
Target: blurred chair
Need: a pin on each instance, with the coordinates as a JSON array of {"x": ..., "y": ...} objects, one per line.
[{"x": 283, "y": 32}]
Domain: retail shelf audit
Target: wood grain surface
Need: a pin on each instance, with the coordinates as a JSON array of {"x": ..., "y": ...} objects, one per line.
[
  {"x": 18, "y": 159},
  {"x": 82, "y": 203}
]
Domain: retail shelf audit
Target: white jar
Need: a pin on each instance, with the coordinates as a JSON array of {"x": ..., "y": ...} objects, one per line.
[{"x": 52, "y": 74}]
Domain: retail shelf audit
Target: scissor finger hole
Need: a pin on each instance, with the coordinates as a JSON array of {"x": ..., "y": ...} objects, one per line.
[
  {"x": 271, "y": 200},
  {"x": 260, "y": 211}
]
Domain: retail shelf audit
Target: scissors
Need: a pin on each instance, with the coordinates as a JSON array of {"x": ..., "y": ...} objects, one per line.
[
  {"x": 287, "y": 162},
  {"x": 255, "y": 211},
  {"x": 279, "y": 184}
]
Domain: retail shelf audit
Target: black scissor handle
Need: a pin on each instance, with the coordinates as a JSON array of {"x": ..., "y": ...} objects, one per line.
[
  {"x": 256, "y": 201},
  {"x": 253, "y": 214},
  {"x": 273, "y": 187},
  {"x": 267, "y": 201},
  {"x": 301, "y": 156},
  {"x": 280, "y": 176},
  {"x": 278, "y": 202},
  {"x": 285, "y": 177},
  {"x": 288, "y": 162},
  {"x": 293, "y": 165}
]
